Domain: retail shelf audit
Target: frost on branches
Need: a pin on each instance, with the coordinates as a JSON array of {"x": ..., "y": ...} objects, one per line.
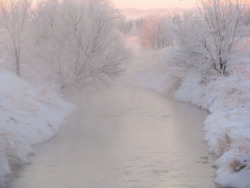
[{"x": 206, "y": 38}]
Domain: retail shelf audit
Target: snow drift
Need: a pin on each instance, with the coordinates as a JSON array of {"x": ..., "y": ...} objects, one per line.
[{"x": 28, "y": 116}]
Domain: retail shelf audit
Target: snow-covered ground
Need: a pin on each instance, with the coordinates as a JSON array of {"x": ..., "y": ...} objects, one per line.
[
  {"x": 227, "y": 99},
  {"x": 28, "y": 116}
]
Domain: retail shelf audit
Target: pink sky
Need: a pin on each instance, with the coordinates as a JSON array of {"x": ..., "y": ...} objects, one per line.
[{"x": 152, "y": 4}]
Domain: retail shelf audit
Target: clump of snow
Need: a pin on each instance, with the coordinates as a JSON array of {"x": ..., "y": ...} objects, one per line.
[
  {"x": 28, "y": 116},
  {"x": 228, "y": 101}
]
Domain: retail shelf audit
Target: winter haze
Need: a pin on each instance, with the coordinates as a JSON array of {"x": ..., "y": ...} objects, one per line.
[{"x": 122, "y": 93}]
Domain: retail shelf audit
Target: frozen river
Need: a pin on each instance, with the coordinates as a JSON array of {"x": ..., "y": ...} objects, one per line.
[{"x": 125, "y": 138}]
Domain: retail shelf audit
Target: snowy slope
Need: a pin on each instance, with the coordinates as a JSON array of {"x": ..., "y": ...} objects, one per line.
[
  {"x": 28, "y": 116},
  {"x": 228, "y": 125}
]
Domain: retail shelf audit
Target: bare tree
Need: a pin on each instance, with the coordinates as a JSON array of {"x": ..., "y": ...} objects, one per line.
[
  {"x": 84, "y": 39},
  {"x": 14, "y": 15},
  {"x": 209, "y": 36}
]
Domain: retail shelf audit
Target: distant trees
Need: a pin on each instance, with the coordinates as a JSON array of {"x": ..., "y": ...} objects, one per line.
[
  {"x": 156, "y": 32},
  {"x": 126, "y": 26},
  {"x": 247, "y": 17},
  {"x": 207, "y": 38}
]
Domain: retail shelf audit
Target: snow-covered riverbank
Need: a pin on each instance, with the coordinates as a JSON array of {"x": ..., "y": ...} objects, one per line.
[
  {"x": 28, "y": 116},
  {"x": 227, "y": 127},
  {"x": 228, "y": 101}
]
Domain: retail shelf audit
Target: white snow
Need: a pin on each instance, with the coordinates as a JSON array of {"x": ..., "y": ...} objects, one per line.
[
  {"x": 228, "y": 101},
  {"x": 228, "y": 130},
  {"x": 28, "y": 116}
]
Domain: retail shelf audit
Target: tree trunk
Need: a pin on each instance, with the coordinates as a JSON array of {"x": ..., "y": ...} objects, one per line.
[{"x": 18, "y": 67}]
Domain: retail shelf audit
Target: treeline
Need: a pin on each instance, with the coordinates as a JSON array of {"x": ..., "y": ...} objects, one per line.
[
  {"x": 64, "y": 42},
  {"x": 206, "y": 39}
]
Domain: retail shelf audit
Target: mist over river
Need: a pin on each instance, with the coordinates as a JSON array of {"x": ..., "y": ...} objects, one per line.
[{"x": 124, "y": 137}]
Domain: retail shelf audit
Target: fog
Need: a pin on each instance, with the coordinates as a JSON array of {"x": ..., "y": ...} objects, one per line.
[{"x": 111, "y": 79}]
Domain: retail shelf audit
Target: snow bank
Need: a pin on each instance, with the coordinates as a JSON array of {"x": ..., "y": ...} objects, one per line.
[
  {"x": 28, "y": 116},
  {"x": 228, "y": 125}
]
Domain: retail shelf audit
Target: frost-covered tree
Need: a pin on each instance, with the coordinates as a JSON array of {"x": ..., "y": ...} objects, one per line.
[
  {"x": 83, "y": 39},
  {"x": 14, "y": 17},
  {"x": 207, "y": 38}
]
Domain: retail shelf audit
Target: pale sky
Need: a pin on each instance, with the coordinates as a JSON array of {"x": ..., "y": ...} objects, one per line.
[{"x": 152, "y": 4}]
